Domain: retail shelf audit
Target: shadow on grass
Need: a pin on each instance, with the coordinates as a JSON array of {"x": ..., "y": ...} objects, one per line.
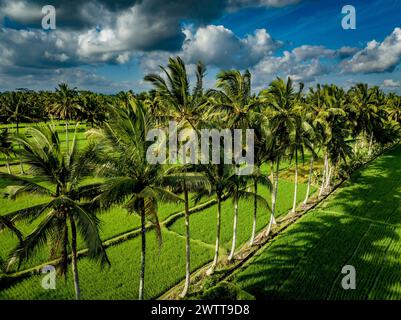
[{"x": 358, "y": 227}]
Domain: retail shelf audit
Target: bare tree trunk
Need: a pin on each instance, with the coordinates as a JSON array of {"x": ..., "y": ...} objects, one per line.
[
  {"x": 74, "y": 258},
  {"x": 294, "y": 204},
  {"x": 8, "y": 164},
  {"x": 187, "y": 245},
  {"x": 66, "y": 136},
  {"x": 323, "y": 176},
  {"x": 309, "y": 181},
  {"x": 271, "y": 171},
  {"x": 216, "y": 250},
  {"x": 143, "y": 253},
  {"x": 274, "y": 200},
  {"x": 255, "y": 212},
  {"x": 234, "y": 241},
  {"x": 370, "y": 144},
  {"x": 328, "y": 180},
  {"x": 19, "y": 154}
]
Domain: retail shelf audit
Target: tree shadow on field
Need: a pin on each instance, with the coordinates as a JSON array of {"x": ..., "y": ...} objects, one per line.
[{"x": 360, "y": 226}]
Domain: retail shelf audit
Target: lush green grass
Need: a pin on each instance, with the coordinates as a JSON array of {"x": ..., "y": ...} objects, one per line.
[
  {"x": 359, "y": 226},
  {"x": 165, "y": 267},
  {"x": 202, "y": 223},
  {"x": 121, "y": 280}
]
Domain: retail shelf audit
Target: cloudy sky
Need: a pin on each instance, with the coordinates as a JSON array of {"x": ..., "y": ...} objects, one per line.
[{"x": 108, "y": 46}]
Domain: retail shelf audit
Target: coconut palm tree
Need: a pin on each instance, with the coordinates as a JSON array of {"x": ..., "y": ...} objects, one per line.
[
  {"x": 235, "y": 105},
  {"x": 301, "y": 137},
  {"x": 68, "y": 211},
  {"x": 16, "y": 109},
  {"x": 65, "y": 106},
  {"x": 281, "y": 100},
  {"x": 133, "y": 181},
  {"x": 174, "y": 101},
  {"x": 6, "y": 147}
]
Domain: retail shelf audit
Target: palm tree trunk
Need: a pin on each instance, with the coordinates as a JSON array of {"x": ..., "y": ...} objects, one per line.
[
  {"x": 187, "y": 245},
  {"x": 309, "y": 181},
  {"x": 19, "y": 154},
  {"x": 66, "y": 136},
  {"x": 328, "y": 180},
  {"x": 323, "y": 176},
  {"x": 143, "y": 253},
  {"x": 234, "y": 241},
  {"x": 370, "y": 144},
  {"x": 8, "y": 164},
  {"x": 74, "y": 258},
  {"x": 255, "y": 212},
  {"x": 294, "y": 204},
  {"x": 271, "y": 171},
  {"x": 216, "y": 250},
  {"x": 274, "y": 200}
]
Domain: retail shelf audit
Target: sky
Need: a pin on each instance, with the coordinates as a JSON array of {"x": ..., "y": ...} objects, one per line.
[{"x": 108, "y": 46}]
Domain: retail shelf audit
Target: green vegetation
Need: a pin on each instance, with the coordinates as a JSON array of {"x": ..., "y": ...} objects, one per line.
[
  {"x": 74, "y": 175},
  {"x": 360, "y": 225}
]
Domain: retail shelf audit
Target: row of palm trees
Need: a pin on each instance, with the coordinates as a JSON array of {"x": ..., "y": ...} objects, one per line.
[{"x": 327, "y": 122}]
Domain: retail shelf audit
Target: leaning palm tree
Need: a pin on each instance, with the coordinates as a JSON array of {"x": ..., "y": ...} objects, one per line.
[
  {"x": 68, "y": 211},
  {"x": 174, "y": 101},
  {"x": 133, "y": 181}
]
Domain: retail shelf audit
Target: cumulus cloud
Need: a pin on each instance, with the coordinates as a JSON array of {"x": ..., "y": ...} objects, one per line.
[
  {"x": 377, "y": 56},
  {"x": 302, "y": 64},
  {"x": 219, "y": 46},
  {"x": 390, "y": 83}
]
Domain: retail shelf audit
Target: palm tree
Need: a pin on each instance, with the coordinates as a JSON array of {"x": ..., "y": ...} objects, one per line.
[
  {"x": 133, "y": 181},
  {"x": 6, "y": 147},
  {"x": 219, "y": 176},
  {"x": 281, "y": 100},
  {"x": 16, "y": 109},
  {"x": 68, "y": 210},
  {"x": 394, "y": 107},
  {"x": 65, "y": 106},
  {"x": 301, "y": 137},
  {"x": 235, "y": 105},
  {"x": 174, "y": 101}
]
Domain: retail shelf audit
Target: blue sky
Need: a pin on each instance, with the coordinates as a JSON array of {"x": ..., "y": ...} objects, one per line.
[{"x": 108, "y": 47}]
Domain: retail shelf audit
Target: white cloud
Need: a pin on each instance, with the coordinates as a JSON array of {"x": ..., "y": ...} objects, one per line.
[
  {"x": 219, "y": 46},
  {"x": 306, "y": 52},
  {"x": 377, "y": 57},
  {"x": 390, "y": 83}
]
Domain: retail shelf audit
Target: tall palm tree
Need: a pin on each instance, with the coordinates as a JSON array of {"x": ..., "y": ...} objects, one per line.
[
  {"x": 133, "y": 182},
  {"x": 6, "y": 147},
  {"x": 175, "y": 101},
  {"x": 219, "y": 176},
  {"x": 65, "y": 106},
  {"x": 69, "y": 209},
  {"x": 16, "y": 109},
  {"x": 301, "y": 137},
  {"x": 235, "y": 105},
  {"x": 281, "y": 100}
]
